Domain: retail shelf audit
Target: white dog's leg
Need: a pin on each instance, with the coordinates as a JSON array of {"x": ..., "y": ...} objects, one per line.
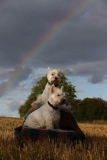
[{"x": 49, "y": 126}]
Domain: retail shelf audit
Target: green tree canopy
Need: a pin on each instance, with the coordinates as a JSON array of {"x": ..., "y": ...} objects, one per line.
[
  {"x": 69, "y": 89},
  {"x": 90, "y": 109}
]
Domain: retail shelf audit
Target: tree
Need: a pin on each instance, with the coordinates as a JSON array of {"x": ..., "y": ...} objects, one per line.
[
  {"x": 69, "y": 89},
  {"x": 91, "y": 109},
  {"x": 75, "y": 106}
]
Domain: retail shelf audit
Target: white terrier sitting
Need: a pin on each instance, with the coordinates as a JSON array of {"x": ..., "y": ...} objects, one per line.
[
  {"x": 53, "y": 77},
  {"x": 48, "y": 115}
]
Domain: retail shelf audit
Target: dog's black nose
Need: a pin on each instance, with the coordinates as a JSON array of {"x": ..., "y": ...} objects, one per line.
[
  {"x": 64, "y": 100},
  {"x": 56, "y": 78}
]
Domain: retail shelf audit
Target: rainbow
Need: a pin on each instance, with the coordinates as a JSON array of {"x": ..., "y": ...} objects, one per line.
[{"x": 44, "y": 41}]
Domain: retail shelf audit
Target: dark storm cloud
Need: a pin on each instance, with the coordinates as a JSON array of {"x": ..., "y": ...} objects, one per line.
[
  {"x": 22, "y": 24},
  {"x": 83, "y": 41}
]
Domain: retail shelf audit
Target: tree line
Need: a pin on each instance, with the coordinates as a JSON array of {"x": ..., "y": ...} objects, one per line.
[{"x": 88, "y": 109}]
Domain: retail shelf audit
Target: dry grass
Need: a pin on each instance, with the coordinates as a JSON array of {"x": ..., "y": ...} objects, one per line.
[{"x": 94, "y": 148}]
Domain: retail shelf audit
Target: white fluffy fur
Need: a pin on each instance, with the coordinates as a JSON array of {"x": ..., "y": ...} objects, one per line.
[
  {"x": 53, "y": 77},
  {"x": 46, "y": 116}
]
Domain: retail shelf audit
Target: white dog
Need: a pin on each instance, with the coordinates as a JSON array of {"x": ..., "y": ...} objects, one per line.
[
  {"x": 53, "y": 77},
  {"x": 48, "y": 115}
]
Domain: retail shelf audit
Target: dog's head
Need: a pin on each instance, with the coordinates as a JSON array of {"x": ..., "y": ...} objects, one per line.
[
  {"x": 57, "y": 96},
  {"x": 53, "y": 76}
]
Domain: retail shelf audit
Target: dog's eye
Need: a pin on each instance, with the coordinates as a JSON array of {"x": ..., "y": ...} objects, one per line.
[
  {"x": 58, "y": 74},
  {"x": 52, "y": 74},
  {"x": 58, "y": 95}
]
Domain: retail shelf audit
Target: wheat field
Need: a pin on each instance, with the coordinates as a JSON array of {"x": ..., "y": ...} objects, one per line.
[{"x": 94, "y": 147}]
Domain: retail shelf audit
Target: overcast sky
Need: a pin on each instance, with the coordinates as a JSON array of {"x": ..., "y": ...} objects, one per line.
[{"x": 79, "y": 48}]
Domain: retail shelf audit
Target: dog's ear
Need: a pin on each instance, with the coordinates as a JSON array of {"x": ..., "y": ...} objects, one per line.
[
  {"x": 49, "y": 69},
  {"x": 52, "y": 88},
  {"x": 59, "y": 70},
  {"x": 62, "y": 88}
]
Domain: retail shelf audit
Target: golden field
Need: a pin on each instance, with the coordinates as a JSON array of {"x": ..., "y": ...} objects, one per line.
[{"x": 94, "y": 147}]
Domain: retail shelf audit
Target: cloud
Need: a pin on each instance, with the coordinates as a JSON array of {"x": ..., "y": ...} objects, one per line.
[
  {"x": 2, "y": 88},
  {"x": 79, "y": 90},
  {"x": 96, "y": 79},
  {"x": 14, "y": 77},
  {"x": 94, "y": 71},
  {"x": 12, "y": 105},
  {"x": 5, "y": 73},
  {"x": 105, "y": 81},
  {"x": 27, "y": 21}
]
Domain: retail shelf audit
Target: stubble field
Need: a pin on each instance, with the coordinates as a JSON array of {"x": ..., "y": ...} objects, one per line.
[{"x": 94, "y": 147}]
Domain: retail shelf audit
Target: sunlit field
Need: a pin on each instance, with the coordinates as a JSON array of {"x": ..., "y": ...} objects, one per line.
[{"x": 94, "y": 147}]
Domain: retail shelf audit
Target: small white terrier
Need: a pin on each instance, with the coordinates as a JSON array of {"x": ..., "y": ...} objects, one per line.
[
  {"x": 53, "y": 77},
  {"x": 48, "y": 115}
]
